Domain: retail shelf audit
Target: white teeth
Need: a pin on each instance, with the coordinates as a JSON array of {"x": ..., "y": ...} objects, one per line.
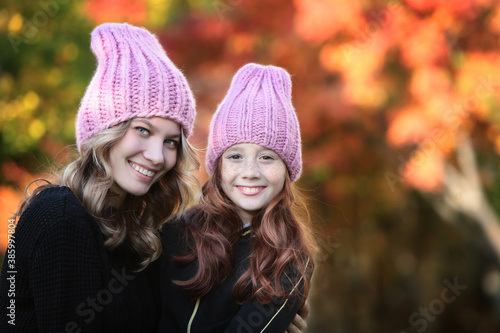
[
  {"x": 143, "y": 171},
  {"x": 250, "y": 190}
]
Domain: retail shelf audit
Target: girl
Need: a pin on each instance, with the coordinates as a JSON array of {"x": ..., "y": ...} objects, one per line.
[
  {"x": 85, "y": 249},
  {"x": 241, "y": 260}
]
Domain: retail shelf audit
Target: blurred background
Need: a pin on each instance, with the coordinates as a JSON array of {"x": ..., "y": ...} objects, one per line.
[{"x": 398, "y": 103}]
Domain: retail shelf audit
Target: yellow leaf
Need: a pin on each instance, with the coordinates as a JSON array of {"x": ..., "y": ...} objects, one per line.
[
  {"x": 16, "y": 23},
  {"x": 31, "y": 101},
  {"x": 36, "y": 129}
]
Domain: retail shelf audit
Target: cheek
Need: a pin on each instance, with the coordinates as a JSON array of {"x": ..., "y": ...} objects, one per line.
[
  {"x": 228, "y": 173},
  {"x": 276, "y": 175},
  {"x": 127, "y": 146},
  {"x": 226, "y": 184},
  {"x": 227, "y": 167},
  {"x": 170, "y": 159},
  {"x": 114, "y": 153}
]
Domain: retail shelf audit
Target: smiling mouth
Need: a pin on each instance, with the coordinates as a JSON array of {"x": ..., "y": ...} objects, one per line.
[
  {"x": 250, "y": 190},
  {"x": 144, "y": 171}
]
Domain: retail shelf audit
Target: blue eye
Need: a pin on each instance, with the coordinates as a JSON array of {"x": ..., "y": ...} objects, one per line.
[
  {"x": 142, "y": 130},
  {"x": 171, "y": 143}
]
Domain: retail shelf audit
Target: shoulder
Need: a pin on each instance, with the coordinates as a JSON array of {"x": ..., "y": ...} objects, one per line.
[
  {"x": 171, "y": 226},
  {"x": 55, "y": 196},
  {"x": 173, "y": 234},
  {"x": 57, "y": 201},
  {"x": 55, "y": 207},
  {"x": 180, "y": 224},
  {"x": 56, "y": 225},
  {"x": 176, "y": 235}
]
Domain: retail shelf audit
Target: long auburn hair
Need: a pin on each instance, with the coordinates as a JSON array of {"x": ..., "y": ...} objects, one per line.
[
  {"x": 281, "y": 239},
  {"x": 138, "y": 219}
]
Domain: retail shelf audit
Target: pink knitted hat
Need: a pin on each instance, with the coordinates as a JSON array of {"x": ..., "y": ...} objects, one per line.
[
  {"x": 134, "y": 78},
  {"x": 257, "y": 109}
]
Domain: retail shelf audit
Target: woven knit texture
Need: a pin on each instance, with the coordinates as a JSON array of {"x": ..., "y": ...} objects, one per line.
[
  {"x": 257, "y": 109},
  {"x": 61, "y": 265},
  {"x": 134, "y": 78}
]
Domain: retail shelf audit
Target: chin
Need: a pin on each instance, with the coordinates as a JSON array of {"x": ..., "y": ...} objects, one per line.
[
  {"x": 252, "y": 210},
  {"x": 138, "y": 193}
]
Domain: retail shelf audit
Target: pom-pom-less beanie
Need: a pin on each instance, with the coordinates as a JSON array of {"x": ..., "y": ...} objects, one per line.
[
  {"x": 134, "y": 78},
  {"x": 257, "y": 109}
]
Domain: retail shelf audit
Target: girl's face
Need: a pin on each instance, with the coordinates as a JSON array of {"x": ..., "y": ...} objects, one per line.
[
  {"x": 252, "y": 176},
  {"x": 146, "y": 152}
]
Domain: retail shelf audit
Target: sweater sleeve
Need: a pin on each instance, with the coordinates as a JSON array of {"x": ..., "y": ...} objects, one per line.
[
  {"x": 65, "y": 277},
  {"x": 275, "y": 316}
]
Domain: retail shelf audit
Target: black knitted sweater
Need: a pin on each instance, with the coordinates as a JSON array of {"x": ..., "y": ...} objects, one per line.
[
  {"x": 218, "y": 312},
  {"x": 63, "y": 278}
]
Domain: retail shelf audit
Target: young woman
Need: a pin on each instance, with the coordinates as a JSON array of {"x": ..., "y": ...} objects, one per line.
[
  {"x": 85, "y": 249},
  {"x": 241, "y": 260}
]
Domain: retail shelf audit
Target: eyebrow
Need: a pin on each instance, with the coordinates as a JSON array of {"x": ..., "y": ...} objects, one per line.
[
  {"x": 233, "y": 150},
  {"x": 241, "y": 150},
  {"x": 155, "y": 129}
]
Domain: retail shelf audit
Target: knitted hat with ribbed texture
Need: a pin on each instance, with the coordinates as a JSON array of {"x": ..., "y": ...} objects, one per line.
[
  {"x": 134, "y": 78},
  {"x": 257, "y": 109}
]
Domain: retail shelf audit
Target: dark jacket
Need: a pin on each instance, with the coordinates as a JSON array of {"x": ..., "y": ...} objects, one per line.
[
  {"x": 217, "y": 311},
  {"x": 63, "y": 278}
]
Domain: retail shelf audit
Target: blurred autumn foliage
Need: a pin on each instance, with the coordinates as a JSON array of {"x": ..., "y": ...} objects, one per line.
[{"x": 399, "y": 109}]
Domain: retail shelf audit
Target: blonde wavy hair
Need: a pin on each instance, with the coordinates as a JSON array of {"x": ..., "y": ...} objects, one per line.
[{"x": 138, "y": 219}]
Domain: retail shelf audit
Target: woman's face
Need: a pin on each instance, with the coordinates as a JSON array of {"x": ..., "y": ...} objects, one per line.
[
  {"x": 146, "y": 152},
  {"x": 252, "y": 176}
]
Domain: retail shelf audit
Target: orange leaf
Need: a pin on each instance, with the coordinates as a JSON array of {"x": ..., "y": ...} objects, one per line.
[
  {"x": 424, "y": 171},
  {"x": 131, "y": 11},
  {"x": 9, "y": 201},
  {"x": 319, "y": 20},
  {"x": 408, "y": 126}
]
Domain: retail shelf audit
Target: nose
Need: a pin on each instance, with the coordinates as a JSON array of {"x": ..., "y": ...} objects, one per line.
[
  {"x": 250, "y": 170},
  {"x": 154, "y": 153}
]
